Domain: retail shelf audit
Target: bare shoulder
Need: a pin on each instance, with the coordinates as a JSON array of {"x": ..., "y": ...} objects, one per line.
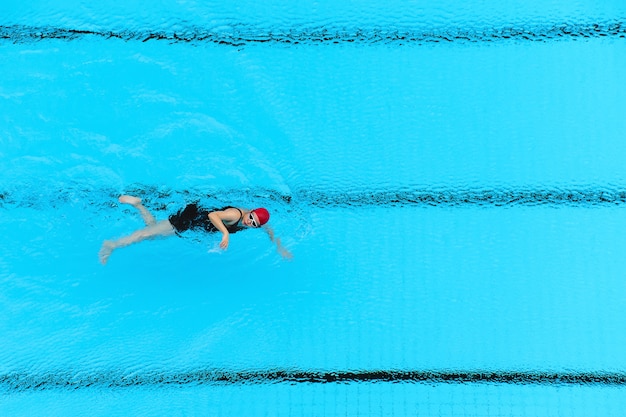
[{"x": 230, "y": 214}]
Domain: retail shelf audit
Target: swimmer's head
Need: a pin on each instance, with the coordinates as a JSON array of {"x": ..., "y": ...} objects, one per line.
[{"x": 262, "y": 214}]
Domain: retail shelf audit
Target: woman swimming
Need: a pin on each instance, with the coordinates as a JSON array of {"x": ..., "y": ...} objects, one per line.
[{"x": 226, "y": 220}]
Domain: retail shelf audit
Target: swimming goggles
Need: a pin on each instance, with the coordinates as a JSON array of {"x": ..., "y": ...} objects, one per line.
[{"x": 252, "y": 221}]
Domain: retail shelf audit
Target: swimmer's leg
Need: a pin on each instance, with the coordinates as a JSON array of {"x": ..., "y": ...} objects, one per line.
[
  {"x": 161, "y": 229},
  {"x": 147, "y": 217}
]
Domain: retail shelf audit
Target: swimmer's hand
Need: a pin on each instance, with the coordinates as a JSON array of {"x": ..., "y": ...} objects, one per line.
[
  {"x": 281, "y": 249},
  {"x": 224, "y": 242},
  {"x": 285, "y": 253}
]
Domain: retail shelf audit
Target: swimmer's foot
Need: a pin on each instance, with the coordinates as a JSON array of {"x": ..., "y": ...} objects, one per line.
[
  {"x": 105, "y": 251},
  {"x": 129, "y": 199}
]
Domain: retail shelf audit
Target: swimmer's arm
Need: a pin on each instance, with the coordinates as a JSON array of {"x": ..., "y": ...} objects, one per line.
[
  {"x": 280, "y": 248},
  {"x": 217, "y": 218}
]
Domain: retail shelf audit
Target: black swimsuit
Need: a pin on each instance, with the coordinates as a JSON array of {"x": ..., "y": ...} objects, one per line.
[{"x": 194, "y": 217}]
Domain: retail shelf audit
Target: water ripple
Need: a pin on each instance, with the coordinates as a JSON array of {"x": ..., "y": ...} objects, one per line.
[
  {"x": 598, "y": 195},
  {"x": 67, "y": 380},
  {"x": 241, "y": 34}
]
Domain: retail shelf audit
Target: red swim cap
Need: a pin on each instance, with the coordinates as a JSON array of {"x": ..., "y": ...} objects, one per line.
[{"x": 262, "y": 214}]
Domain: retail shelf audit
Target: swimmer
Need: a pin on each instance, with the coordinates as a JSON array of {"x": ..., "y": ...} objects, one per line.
[{"x": 226, "y": 220}]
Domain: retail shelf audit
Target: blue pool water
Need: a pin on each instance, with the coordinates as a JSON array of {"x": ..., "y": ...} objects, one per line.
[{"x": 449, "y": 178}]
